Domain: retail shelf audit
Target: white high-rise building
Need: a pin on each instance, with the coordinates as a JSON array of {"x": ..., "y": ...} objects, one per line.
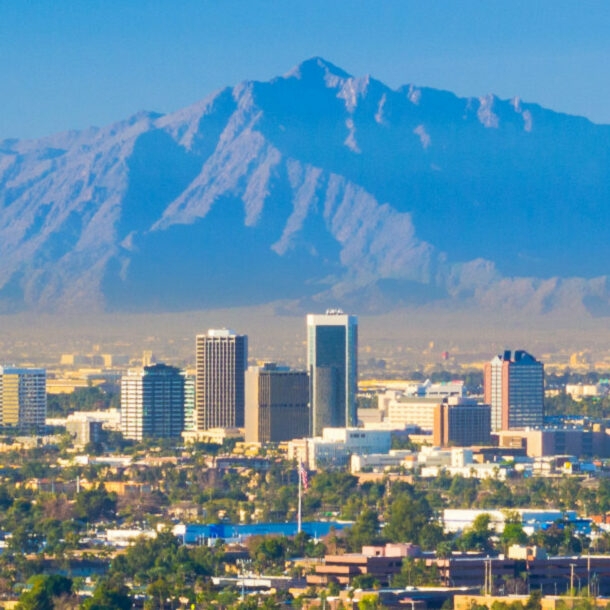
[
  {"x": 23, "y": 397},
  {"x": 332, "y": 363},
  {"x": 221, "y": 362},
  {"x": 152, "y": 403}
]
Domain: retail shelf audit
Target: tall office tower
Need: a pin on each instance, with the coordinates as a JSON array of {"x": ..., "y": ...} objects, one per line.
[
  {"x": 514, "y": 387},
  {"x": 23, "y": 397},
  {"x": 221, "y": 362},
  {"x": 152, "y": 403},
  {"x": 277, "y": 404},
  {"x": 332, "y": 363}
]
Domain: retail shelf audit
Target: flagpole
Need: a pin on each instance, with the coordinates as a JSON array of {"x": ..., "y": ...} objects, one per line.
[{"x": 300, "y": 495}]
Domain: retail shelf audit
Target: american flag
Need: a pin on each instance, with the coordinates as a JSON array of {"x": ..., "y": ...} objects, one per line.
[{"x": 303, "y": 475}]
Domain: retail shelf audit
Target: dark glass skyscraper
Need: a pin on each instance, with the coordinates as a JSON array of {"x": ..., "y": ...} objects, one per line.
[
  {"x": 332, "y": 363},
  {"x": 514, "y": 387}
]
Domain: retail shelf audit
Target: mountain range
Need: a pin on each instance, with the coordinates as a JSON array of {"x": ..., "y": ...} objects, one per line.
[{"x": 313, "y": 189}]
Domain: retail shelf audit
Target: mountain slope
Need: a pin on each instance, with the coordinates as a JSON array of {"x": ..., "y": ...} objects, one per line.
[{"x": 315, "y": 186}]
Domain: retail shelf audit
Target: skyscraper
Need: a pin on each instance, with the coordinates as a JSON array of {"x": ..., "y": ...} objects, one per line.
[
  {"x": 23, "y": 397},
  {"x": 221, "y": 362},
  {"x": 152, "y": 403},
  {"x": 277, "y": 404},
  {"x": 332, "y": 363},
  {"x": 514, "y": 387}
]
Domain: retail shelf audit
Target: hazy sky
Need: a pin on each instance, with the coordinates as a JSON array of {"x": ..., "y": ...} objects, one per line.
[{"x": 74, "y": 63}]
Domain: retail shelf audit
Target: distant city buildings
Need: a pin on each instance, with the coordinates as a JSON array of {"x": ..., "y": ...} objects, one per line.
[
  {"x": 221, "y": 362},
  {"x": 23, "y": 398},
  {"x": 152, "y": 403},
  {"x": 277, "y": 404},
  {"x": 332, "y": 364},
  {"x": 514, "y": 387}
]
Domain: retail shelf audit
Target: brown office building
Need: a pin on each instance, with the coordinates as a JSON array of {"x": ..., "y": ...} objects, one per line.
[
  {"x": 277, "y": 404},
  {"x": 461, "y": 424}
]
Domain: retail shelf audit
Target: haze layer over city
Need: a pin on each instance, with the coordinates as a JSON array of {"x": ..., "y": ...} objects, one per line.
[{"x": 361, "y": 195}]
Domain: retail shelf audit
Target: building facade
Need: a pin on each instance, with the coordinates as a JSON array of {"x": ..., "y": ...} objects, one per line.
[
  {"x": 332, "y": 364},
  {"x": 336, "y": 445},
  {"x": 277, "y": 404},
  {"x": 514, "y": 387},
  {"x": 461, "y": 424},
  {"x": 189, "y": 403},
  {"x": 221, "y": 362},
  {"x": 152, "y": 403},
  {"x": 23, "y": 397}
]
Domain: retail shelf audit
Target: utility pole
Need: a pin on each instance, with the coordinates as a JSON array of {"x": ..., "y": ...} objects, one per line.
[{"x": 572, "y": 565}]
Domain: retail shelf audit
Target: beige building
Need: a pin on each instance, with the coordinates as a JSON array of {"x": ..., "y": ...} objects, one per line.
[
  {"x": 413, "y": 411},
  {"x": 558, "y": 441},
  {"x": 23, "y": 397}
]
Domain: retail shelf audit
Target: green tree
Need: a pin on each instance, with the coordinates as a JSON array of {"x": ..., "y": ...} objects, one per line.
[
  {"x": 407, "y": 517},
  {"x": 44, "y": 592},
  {"x": 365, "y": 530},
  {"x": 109, "y": 594},
  {"x": 95, "y": 504}
]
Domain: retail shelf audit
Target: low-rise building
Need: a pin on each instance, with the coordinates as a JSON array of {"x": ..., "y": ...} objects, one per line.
[
  {"x": 336, "y": 445},
  {"x": 456, "y": 520},
  {"x": 544, "y": 442}
]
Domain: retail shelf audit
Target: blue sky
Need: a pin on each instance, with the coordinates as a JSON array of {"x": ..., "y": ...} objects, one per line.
[{"x": 74, "y": 63}]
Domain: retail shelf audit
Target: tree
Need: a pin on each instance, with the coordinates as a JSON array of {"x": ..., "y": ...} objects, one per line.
[
  {"x": 513, "y": 534},
  {"x": 477, "y": 537},
  {"x": 45, "y": 590},
  {"x": 96, "y": 504},
  {"x": 110, "y": 594},
  {"x": 365, "y": 530},
  {"x": 407, "y": 517},
  {"x": 415, "y": 572}
]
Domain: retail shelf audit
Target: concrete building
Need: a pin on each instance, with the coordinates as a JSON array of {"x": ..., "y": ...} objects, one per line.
[
  {"x": 578, "y": 391},
  {"x": 514, "y": 387},
  {"x": 189, "y": 403},
  {"x": 553, "y": 575},
  {"x": 412, "y": 411},
  {"x": 461, "y": 423},
  {"x": 152, "y": 403},
  {"x": 336, "y": 445},
  {"x": 84, "y": 429},
  {"x": 23, "y": 398},
  {"x": 547, "y": 442},
  {"x": 221, "y": 362},
  {"x": 380, "y": 462},
  {"x": 277, "y": 404},
  {"x": 332, "y": 364},
  {"x": 343, "y": 569}
]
